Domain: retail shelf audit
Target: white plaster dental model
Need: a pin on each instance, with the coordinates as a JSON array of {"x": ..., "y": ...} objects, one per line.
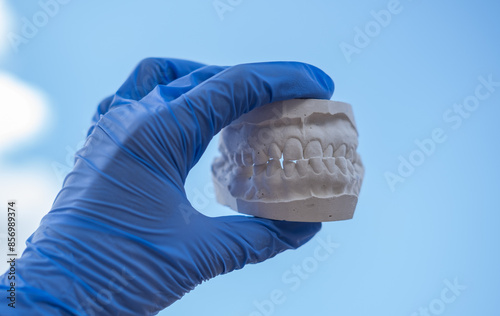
[{"x": 292, "y": 160}]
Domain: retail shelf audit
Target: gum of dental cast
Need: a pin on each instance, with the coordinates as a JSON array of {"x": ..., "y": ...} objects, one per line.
[{"x": 312, "y": 209}]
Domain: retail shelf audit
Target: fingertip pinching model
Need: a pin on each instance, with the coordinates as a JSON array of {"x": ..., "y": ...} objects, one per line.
[{"x": 292, "y": 160}]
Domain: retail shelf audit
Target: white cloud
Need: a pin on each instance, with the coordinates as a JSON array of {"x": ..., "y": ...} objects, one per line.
[
  {"x": 23, "y": 108},
  {"x": 23, "y": 115},
  {"x": 23, "y": 111}
]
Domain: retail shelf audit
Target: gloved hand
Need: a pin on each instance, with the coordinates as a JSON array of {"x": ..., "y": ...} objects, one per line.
[{"x": 122, "y": 238}]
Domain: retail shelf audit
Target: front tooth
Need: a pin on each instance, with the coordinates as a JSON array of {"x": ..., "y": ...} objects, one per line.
[
  {"x": 259, "y": 157},
  {"x": 340, "y": 152},
  {"x": 317, "y": 164},
  {"x": 328, "y": 151},
  {"x": 274, "y": 151},
  {"x": 292, "y": 149},
  {"x": 272, "y": 166},
  {"x": 302, "y": 167},
  {"x": 289, "y": 167},
  {"x": 330, "y": 164},
  {"x": 258, "y": 169},
  {"x": 342, "y": 164},
  {"x": 246, "y": 158},
  {"x": 313, "y": 149}
]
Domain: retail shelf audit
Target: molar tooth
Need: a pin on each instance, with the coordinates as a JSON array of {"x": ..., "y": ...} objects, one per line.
[
  {"x": 313, "y": 149},
  {"x": 274, "y": 151},
  {"x": 357, "y": 185},
  {"x": 342, "y": 164},
  {"x": 350, "y": 154},
  {"x": 250, "y": 193},
  {"x": 272, "y": 166},
  {"x": 258, "y": 169},
  {"x": 237, "y": 188},
  {"x": 289, "y": 167},
  {"x": 317, "y": 164},
  {"x": 340, "y": 152},
  {"x": 259, "y": 156},
  {"x": 350, "y": 167},
  {"x": 236, "y": 159},
  {"x": 292, "y": 149},
  {"x": 246, "y": 158},
  {"x": 354, "y": 156},
  {"x": 218, "y": 163},
  {"x": 330, "y": 164},
  {"x": 358, "y": 168},
  {"x": 240, "y": 170},
  {"x": 328, "y": 151},
  {"x": 261, "y": 194},
  {"x": 302, "y": 167}
]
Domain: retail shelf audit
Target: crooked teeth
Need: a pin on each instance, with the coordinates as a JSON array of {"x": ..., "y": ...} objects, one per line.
[
  {"x": 341, "y": 151},
  {"x": 317, "y": 164},
  {"x": 272, "y": 166},
  {"x": 330, "y": 164},
  {"x": 274, "y": 151},
  {"x": 313, "y": 149},
  {"x": 328, "y": 151},
  {"x": 342, "y": 164},
  {"x": 302, "y": 167},
  {"x": 292, "y": 149}
]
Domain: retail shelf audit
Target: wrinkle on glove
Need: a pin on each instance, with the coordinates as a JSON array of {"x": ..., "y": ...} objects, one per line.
[{"x": 121, "y": 237}]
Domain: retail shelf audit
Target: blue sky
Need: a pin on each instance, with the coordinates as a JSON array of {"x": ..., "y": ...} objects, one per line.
[{"x": 418, "y": 70}]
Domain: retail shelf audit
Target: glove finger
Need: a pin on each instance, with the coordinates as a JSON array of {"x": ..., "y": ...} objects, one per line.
[
  {"x": 149, "y": 73},
  {"x": 182, "y": 85},
  {"x": 102, "y": 108},
  {"x": 240, "y": 240},
  {"x": 196, "y": 116},
  {"x": 141, "y": 128}
]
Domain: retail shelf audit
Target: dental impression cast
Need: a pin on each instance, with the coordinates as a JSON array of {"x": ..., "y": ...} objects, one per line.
[{"x": 292, "y": 160}]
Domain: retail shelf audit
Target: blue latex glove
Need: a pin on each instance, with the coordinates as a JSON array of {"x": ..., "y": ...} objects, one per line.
[{"x": 121, "y": 237}]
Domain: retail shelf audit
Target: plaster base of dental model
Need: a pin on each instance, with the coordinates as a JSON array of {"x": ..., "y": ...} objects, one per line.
[{"x": 292, "y": 160}]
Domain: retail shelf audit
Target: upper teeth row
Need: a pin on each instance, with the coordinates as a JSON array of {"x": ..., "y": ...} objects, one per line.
[{"x": 293, "y": 151}]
